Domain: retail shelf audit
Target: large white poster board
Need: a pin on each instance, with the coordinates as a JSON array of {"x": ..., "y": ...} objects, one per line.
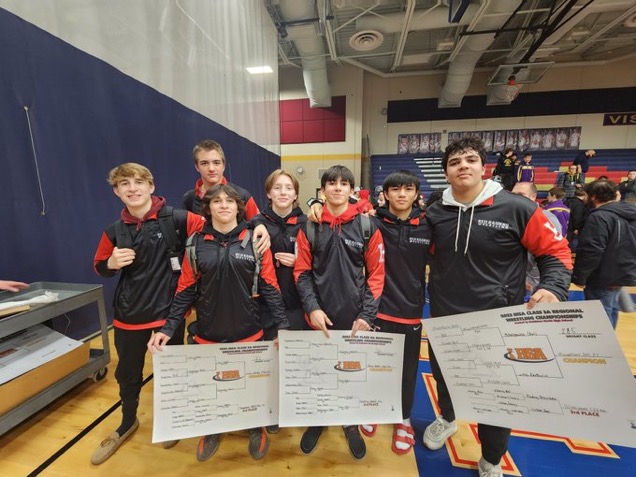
[
  {"x": 214, "y": 388},
  {"x": 556, "y": 369},
  {"x": 340, "y": 380}
]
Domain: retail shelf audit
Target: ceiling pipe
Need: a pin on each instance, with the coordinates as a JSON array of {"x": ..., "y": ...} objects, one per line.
[
  {"x": 471, "y": 48},
  {"x": 311, "y": 51}
]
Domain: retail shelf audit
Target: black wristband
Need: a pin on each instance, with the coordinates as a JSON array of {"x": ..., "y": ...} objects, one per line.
[{"x": 313, "y": 201}]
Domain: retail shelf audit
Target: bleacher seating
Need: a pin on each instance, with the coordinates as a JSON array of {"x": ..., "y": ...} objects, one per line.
[{"x": 613, "y": 163}]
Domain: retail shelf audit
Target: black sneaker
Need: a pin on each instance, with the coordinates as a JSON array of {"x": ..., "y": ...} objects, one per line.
[
  {"x": 259, "y": 443},
  {"x": 310, "y": 438},
  {"x": 356, "y": 443},
  {"x": 274, "y": 429},
  {"x": 208, "y": 445}
]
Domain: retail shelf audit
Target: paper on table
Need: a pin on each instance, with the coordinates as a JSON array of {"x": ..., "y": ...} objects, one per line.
[
  {"x": 46, "y": 297},
  {"x": 31, "y": 348}
]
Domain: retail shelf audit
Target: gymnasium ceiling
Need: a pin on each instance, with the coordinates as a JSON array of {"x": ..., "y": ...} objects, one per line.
[{"x": 411, "y": 37}]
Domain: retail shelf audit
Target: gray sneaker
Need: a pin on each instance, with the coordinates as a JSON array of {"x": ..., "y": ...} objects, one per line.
[
  {"x": 436, "y": 433},
  {"x": 259, "y": 443},
  {"x": 208, "y": 445},
  {"x": 486, "y": 469}
]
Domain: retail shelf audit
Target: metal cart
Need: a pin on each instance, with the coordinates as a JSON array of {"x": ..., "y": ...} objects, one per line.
[{"x": 71, "y": 297}]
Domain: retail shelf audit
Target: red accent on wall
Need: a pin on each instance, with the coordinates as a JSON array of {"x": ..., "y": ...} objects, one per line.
[{"x": 300, "y": 124}]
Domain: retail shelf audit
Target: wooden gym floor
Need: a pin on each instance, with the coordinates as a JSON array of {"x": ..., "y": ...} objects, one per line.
[{"x": 59, "y": 440}]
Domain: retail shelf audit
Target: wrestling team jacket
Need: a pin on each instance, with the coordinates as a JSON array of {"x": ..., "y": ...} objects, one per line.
[
  {"x": 146, "y": 287},
  {"x": 192, "y": 199},
  {"x": 606, "y": 253},
  {"x": 406, "y": 245},
  {"x": 335, "y": 273},
  {"x": 479, "y": 252},
  {"x": 226, "y": 310},
  {"x": 282, "y": 232}
]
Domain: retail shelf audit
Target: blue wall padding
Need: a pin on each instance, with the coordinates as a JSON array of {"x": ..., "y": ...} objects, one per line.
[{"x": 87, "y": 117}]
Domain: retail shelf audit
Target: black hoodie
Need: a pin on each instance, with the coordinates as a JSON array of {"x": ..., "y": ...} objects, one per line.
[
  {"x": 406, "y": 245},
  {"x": 282, "y": 232},
  {"x": 606, "y": 255}
]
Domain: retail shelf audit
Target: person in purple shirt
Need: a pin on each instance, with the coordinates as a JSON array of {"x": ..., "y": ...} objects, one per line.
[
  {"x": 525, "y": 170},
  {"x": 558, "y": 208}
]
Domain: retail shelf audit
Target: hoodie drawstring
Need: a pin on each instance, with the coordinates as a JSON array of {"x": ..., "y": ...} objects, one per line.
[
  {"x": 459, "y": 221},
  {"x": 470, "y": 226}
]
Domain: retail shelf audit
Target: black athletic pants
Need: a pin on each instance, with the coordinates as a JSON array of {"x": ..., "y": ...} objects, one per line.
[
  {"x": 131, "y": 346},
  {"x": 412, "y": 341},
  {"x": 494, "y": 440}
]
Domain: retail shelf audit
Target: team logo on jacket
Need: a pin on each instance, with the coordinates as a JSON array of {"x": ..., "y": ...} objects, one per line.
[
  {"x": 353, "y": 243},
  {"x": 493, "y": 224},
  {"x": 419, "y": 240},
  {"x": 244, "y": 256}
]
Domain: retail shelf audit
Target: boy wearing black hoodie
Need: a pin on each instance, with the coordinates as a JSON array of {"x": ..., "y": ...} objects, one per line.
[
  {"x": 481, "y": 236},
  {"x": 406, "y": 239},
  {"x": 339, "y": 275}
]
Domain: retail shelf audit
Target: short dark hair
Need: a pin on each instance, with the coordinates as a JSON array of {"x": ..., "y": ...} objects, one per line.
[
  {"x": 205, "y": 146},
  {"x": 399, "y": 178},
  {"x": 463, "y": 145},
  {"x": 557, "y": 192},
  {"x": 601, "y": 190},
  {"x": 214, "y": 192},
  {"x": 338, "y": 172}
]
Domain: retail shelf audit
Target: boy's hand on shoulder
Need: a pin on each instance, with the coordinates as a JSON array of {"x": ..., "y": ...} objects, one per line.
[
  {"x": 315, "y": 212},
  {"x": 121, "y": 257},
  {"x": 261, "y": 238}
]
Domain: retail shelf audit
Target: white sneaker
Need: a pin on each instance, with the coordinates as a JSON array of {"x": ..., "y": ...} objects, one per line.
[
  {"x": 486, "y": 469},
  {"x": 436, "y": 433}
]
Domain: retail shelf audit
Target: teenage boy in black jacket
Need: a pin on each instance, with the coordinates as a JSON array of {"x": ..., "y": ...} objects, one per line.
[
  {"x": 137, "y": 247},
  {"x": 330, "y": 276},
  {"x": 406, "y": 239},
  {"x": 481, "y": 236}
]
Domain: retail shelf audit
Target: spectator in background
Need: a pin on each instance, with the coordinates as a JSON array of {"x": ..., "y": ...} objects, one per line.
[
  {"x": 606, "y": 253},
  {"x": 505, "y": 168},
  {"x": 529, "y": 191},
  {"x": 556, "y": 206},
  {"x": 524, "y": 172},
  {"x": 10, "y": 285},
  {"x": 578, "y": 214},
  {"x": 381, "y": 200},
  {"x": 628, "y": 188},
  {"x": 364, "y": 205},
  {"x": 434, "y": 197},
  {"x": 570, "y": 181},
  {"x": 582, "y": 162}
]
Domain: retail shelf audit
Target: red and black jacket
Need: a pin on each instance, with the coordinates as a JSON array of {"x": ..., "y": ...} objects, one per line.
[
  {"x": 336, "y": 274},
  {"x": 479, "y": 253},
  {"x": 146, "y": 287},
  {"x": 192, "y": 199},
  {"x": 406, "y": 244},
  {"x": 226, "y": 310},
  {"x": 282, "y": 232}
]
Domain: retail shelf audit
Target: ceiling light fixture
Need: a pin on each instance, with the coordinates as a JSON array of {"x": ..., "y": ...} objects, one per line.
[{"x": 259, "y": 70}]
